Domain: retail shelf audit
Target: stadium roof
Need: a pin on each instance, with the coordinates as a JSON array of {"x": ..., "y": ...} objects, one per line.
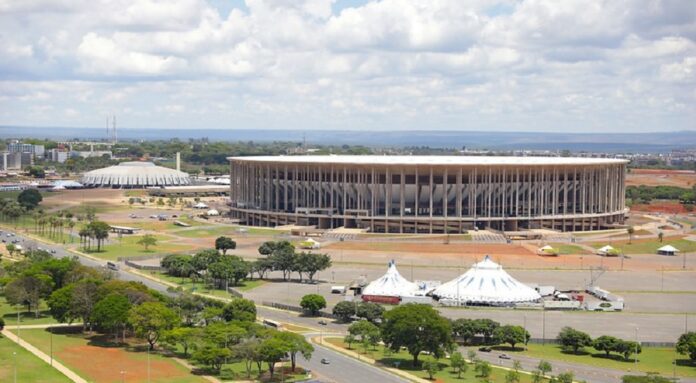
[
  {"x": 431, "y": 160},
  {"x": 135, "y": 174},
  {"x": 486, "y": 283}
]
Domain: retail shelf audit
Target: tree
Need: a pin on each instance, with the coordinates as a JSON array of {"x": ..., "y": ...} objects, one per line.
[
  {"x": 184, "y": 336},
  {"x": 565, "y": 377},
  {"x": 628, "y": 348},
  {"x": 281, "y": 254},
  {"x": 313, "y": 303},
  {"x": 248, "y": 351},
  {"x": 370, "y": 311},
  {"x": 29, "y": 290},
  {"x": 29, "y": 198},
  {"x": 99, "y": 231},
  {"x": 367, "y": 332},
  {"x": 11, "y": 248},
  {"x": 660, "y": 236},
  {"x": 296, "y": 344},
  {"x": 606, "y": 343},
  {"x": 272, "y": 351},
  {"x": 418, "y": 328},
  {"x": 630, "y": 230},
  {"x": 431, "y": 367},
  {"x": 686, "y": 345},
  {"x": 483, "y": 369},
  {"x": 573, "y": 339},
  {"x": 311, "y": 263},
  {"x": 458, "y": 363},
  {"x": 544, "y": 367},
  {"x": 239, "y": 309},
  {"x": 212, "y": 356},
  {"x": 147, "y": 240},
  {"x": 510, "y": 334},
  {"x": 350, "y": 338},
  {"x": 150, "y": 320},
  {"x": 2, "y": 324},
  {"x": 486, "y": 327},
  {"x": 512, "y": 376},
  {"x": 345, "y": 310},
  {"x": 225, "y": 243},
  {"x": 36, "y": 172},
  {"x": 111, "y": 313},
  {"x": 229, "y": 267},
  {"x": 465, "y": 329},
  {"x": 84, "y": 297}
]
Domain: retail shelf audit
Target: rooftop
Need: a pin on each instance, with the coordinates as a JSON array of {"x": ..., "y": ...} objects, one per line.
[{"x": 430, "y": 160}]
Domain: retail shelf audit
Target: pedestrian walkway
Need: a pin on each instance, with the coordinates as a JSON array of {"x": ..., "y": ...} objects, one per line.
[{"x": 41, "y": 355}]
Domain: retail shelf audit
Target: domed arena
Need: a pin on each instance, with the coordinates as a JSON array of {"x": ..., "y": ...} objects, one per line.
[{"x": 134, "y": 175}]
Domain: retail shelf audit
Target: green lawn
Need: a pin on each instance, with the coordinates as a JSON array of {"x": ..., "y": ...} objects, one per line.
[
  {"x": 657, "y": 359},
  {"x": 219, "y": 230},
  {"x": 642, "y": 246},
  {"x": 105, "y": 361},
  {"x": 568, "y": 249},
  {"x": 404, "y": 361},
  {"x": 127, "y": 247},
  {"x": 187, "y": 284},
  {"x": 29, "y": 367},
  {"x": 9, "y": 314}
]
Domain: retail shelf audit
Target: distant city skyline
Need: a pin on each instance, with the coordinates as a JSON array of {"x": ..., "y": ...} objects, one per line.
[{"x": 545, "y": 66}]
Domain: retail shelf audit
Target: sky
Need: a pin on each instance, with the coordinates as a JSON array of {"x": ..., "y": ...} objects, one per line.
[{"x": 529, "y": 65}]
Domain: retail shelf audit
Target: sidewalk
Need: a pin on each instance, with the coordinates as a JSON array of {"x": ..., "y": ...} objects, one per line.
[{"x": 56, "y": 364}]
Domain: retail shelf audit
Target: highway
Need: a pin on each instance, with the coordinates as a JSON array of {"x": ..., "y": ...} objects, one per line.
[{"x": 341, "y": 368}]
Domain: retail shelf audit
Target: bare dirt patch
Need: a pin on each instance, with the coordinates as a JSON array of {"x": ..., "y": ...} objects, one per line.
[
  {"x": 431, "y": 248},
  {"x": 661, "y": 207},
  {"x": 104, "y": 364},
  {"x": 658, "y": 177}
]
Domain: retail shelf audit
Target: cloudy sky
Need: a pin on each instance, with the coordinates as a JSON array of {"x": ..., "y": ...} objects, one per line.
[{"x": 541, "y": 65}]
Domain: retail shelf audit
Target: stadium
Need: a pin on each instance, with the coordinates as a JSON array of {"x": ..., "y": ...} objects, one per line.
[
  {"x": 428, "y": 194},
  {"x": 134, "y": 175}
]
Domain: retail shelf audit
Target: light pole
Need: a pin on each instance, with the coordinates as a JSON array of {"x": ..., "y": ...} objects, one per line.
[
  {"x": 543, "y": 327},
  {"x": 635, "y": 359},
  {"x": 50, "y": 331},
  {"x": 148, "y": 365},
  {"x": 525, "y": 330},
  {"x": 14, "y": 355},
  {"x": 123, "y": 376}
]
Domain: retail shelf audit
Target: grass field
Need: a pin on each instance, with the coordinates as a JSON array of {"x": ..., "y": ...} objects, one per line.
[
  {"x": 648, "y": 246},
  {"x": 564, "y": 248},
  {"x": 657, "y": 359},
  {"x": 9, "y": 314},
  {"x": 404, "y": 361},
  {"x": 127, "y": 246},
  {"x": 29, "y": 367},
  {"x": 199, "y": 287},
  {"x": 218, "y": 230},
  {"x": 105, "y": 362}
]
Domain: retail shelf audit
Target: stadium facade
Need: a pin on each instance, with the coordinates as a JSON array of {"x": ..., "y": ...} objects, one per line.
[{"x": 429, "y": 194}]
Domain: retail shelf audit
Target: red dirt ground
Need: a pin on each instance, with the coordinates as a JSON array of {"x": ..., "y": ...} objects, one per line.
[
  {"x": 660, "y": 207},
  {"x": 91, "y": 361},
  {"x": 419, "y": 247},
  {"x": 657, "y": 177}
]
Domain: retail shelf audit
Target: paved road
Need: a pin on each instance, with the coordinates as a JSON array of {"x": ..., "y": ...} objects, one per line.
[{"x": 342, "y": 368}]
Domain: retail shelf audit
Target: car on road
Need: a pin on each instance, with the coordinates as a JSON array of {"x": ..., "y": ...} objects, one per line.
[
  {"x": 53, "y": 251},
  {"x": 325, "y": 361},
  {"x": 111, "y": 265},
  {"x": 323, "y": 322},
  {"x": 504, "y": 356},
  {"x": 484, "y": 349}
]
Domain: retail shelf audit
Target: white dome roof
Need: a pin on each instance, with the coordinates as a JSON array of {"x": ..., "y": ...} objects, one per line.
[
  {"x": 487, "y": 283},
  {"x": 391, "y": 284},
  {"x": 135, "y": 174}
]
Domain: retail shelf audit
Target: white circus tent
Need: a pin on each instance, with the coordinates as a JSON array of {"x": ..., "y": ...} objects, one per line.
[
  {"x": 391, "y": 284},
  {"x": 486, "y": 283}
]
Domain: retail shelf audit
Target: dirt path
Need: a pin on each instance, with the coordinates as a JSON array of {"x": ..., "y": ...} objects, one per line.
[{"x": 41, "y": 355}]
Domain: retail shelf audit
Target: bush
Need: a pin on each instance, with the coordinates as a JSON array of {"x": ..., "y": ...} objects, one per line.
[
  {"x": 650, "y": 378},
  {"x": 227, "y": 373}
]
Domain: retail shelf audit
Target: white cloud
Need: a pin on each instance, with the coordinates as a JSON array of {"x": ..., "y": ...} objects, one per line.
[{"x": 389, "y": 64}]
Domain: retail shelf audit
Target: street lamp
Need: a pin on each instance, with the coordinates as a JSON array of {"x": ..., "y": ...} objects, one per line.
[
  {"x": 14, "y": 355},
  {"x": 123, "y": 376},
  {"x": 635, "y": 359},
  {"x": 148, "y": 365}
]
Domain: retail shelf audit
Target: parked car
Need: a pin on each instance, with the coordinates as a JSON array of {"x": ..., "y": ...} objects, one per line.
[
  {"x": 504, "y": 356},
  {"x": 111, "y": 265},
  {"x": 484, "y": 349},
  {"x": 323, "y": 322}
]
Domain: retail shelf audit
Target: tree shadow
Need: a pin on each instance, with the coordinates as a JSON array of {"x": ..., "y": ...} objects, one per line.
[
  {"x": 11, "y": 318},
  {"x": 614, "y": 357},
  {"x": 580, "y": 352},
  {"x": 507, "y": 348},
  {"x": 686, "y": 363}
]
